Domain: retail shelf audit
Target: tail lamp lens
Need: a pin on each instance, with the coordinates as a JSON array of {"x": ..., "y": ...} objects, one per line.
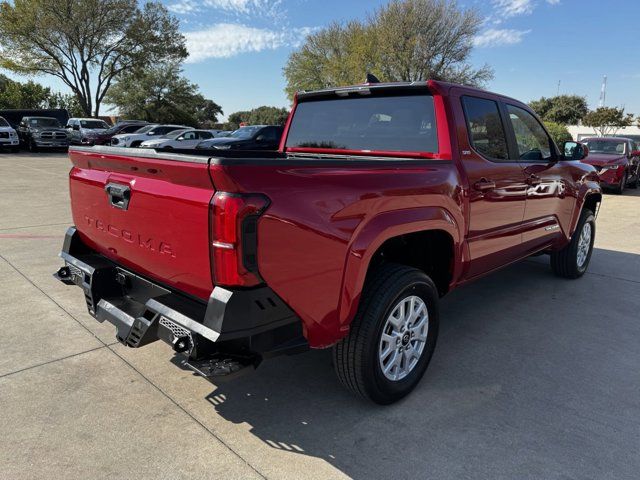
[{"x": 233, "y": 242}]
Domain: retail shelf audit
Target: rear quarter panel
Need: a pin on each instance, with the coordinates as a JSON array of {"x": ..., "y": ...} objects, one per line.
[{"x": 325, "y": 221}]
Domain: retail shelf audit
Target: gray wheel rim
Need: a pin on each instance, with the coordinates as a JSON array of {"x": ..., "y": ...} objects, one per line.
[
  {"x": 404, "y": 337},
  {"x": 584, "y": 245}
]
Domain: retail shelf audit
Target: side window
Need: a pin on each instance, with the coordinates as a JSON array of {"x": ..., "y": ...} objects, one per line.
[
  {"x": 532, "y": 141},
  {"x": 189, "y": 136},
  {"x": 485, "y": 128},
  {"x": 130, "y": 128},
  {"x": 270, "y": 134},
  {"x": 205, "y": 135}
]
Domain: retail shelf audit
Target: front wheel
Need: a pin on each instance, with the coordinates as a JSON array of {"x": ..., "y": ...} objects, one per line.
[
  {"x": 572, "y": 261},
  {"x": 623, "y": 183},
  {"x": 392, "y": 336},
  {"x": 636, "y": 182}
]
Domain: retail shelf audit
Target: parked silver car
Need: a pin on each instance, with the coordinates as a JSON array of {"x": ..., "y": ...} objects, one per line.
[
  {"x": 145, "y": 133},
  {"x": 84, "y": 130},
  {"x": 178, "y": 139}
]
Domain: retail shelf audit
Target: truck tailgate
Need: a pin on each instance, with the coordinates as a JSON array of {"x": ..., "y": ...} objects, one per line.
[{"x": 145, "y": 211}]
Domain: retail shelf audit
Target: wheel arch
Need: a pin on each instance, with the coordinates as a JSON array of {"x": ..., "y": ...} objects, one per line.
[
  {"x": 591, "y": 198},
  {"x": 389, "y": 233}
]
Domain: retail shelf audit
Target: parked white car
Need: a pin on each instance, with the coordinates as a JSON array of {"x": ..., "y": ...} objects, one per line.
[
  {"x": 178, "y": 139},
  {"x": 8, "y": 136},
  {"x": 136, "y": 138},
  {"x": 82, "y": 131}
]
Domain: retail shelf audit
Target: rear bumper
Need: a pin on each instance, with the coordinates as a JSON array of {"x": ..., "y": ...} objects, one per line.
[{"x": 253, "y": 323}]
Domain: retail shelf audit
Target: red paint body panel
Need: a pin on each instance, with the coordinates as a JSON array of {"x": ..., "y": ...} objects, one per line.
[
  {"x": 164, "y": 234},
  {"x": 325, "y": 222},
  {"x": 330, "y": 210}
]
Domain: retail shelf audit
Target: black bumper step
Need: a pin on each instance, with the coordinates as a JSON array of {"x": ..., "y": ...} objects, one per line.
[{"x": 251, "y": 324}]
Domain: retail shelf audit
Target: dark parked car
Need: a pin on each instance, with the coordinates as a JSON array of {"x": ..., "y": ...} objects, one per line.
[
  {"x": 42, "y": 132},
  {"x": 125, "y": 126},
  {"x": 617, "y": 161},
  {"x": 255, "y": 137}
]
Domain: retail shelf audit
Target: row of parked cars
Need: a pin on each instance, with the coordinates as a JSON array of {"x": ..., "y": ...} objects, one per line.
[
  {"x": 616, "y": 159},
  {"x": 35, "y": 133}
]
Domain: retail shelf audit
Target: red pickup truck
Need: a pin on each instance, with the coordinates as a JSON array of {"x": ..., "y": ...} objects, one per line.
[{"x": 381, "y": 199}]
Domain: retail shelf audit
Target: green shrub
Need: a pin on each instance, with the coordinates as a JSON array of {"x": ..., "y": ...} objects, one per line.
[{"x": 558, "y": 132}]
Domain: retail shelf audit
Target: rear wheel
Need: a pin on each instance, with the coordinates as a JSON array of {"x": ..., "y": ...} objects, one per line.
[
  {"x": 572, "y": 261},
  {"x": 15, "y": 150},
  {"x": 392, "y": 336}
]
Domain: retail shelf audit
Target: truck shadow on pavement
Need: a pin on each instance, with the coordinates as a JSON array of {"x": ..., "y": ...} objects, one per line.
[{"x": 523, "y": 382}]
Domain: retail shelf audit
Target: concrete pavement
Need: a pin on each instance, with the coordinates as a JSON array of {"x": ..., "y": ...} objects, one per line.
[{"x": 533, "y": 376}]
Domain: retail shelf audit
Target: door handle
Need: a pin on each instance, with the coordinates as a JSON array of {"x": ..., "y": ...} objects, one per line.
[
  {"x": 483, "y": 185},
  {"x": 534, "y": 180},
  {"x": 119, "y": 195}
]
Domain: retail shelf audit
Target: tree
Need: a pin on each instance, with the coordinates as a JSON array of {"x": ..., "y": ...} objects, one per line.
[
  {"x": 562, "y": 109},
  {"x": 268, "y": 116},
  {"x": 86, "y": 43},
  {"x": 264, "y": 115},
  {"x": 558, "y": 132},
  {"x": 206, "y": 112},
  {"x": 22, "y": 95},
  {"x": 32, "y": 95},
  {"x": 161, "y": 94},
  {"x": 66, "y": 101},
  {"x": 607, "y": 120},
  {"x": 406, "y": 40}
]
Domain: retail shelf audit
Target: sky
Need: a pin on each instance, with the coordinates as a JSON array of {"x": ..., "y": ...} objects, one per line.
[{"x": 238, "y": 47}]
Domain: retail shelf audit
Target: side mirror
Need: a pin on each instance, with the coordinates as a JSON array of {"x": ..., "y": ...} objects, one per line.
[
  {"x": 635, "y": 153},
  {"x": 574, "y": 151},
  {"x": 261, "y": 138}
]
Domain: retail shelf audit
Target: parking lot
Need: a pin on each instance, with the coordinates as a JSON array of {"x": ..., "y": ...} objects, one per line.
[{"x": 533, "y": 376}]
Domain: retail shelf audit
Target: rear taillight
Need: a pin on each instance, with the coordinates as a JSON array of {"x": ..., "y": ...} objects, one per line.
[{"x": 233, "y": 223}]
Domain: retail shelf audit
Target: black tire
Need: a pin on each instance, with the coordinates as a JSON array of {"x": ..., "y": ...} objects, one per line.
[
  {"x": 135, "y": 144},
  {"x": 166, "y": 149},
  {"x": 32, "y": 146},
  {"x": 636, "y": 182},
  {"x": 356, "y": 357},
  {"x": 564, "y": 263},
  {"x": 15, "y": 150},
  {"x": 619, "y": 190}
]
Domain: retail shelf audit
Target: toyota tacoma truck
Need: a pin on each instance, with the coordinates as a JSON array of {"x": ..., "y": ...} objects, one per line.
[{"x": 380, "y": 200}]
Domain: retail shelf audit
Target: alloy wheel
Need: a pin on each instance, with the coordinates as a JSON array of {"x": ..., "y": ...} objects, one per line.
[{"x": 403, "y": 339}]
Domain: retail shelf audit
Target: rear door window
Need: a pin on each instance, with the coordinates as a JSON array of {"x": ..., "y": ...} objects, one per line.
[
  {"x": 485, "y": 127},
  {"x": 398, "y": 123}
]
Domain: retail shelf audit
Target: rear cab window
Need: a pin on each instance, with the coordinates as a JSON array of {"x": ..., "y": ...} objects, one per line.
[
  {"x": 485, "y": 127},
  {"x": 380, "y": 122}
]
